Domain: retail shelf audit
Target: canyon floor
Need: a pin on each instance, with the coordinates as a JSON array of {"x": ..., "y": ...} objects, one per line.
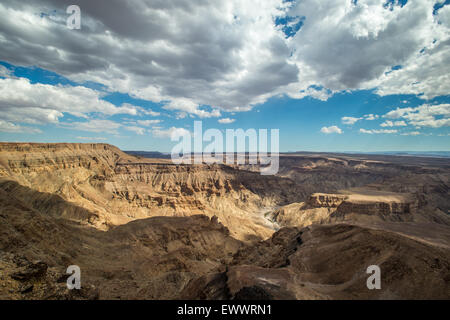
[{"x": 142, "y": 228}]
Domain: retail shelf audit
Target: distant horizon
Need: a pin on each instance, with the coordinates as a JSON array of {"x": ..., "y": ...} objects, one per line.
[
  {"x": 301, "y": 151},
  {"x": 281, "y": 151},
  {"x": 442, "y": 153}
]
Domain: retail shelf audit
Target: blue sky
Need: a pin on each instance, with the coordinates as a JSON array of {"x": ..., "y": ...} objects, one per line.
[
  {"x": 348, "y": 84},
  {"x": 299, "y": 120}
]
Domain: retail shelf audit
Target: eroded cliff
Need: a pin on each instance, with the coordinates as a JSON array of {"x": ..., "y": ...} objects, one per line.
[{"x": 147, "y": 229}]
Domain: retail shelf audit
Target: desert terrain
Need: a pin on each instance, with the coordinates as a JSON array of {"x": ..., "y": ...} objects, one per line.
[{"x": 144, "y": 228}]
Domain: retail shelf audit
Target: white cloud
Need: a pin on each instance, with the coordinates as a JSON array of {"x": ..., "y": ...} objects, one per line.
[
  {"x": 425, "y": 71},
  {"x": 398, "y": 113},
  {"x": 168, "y": 133},
  {"x": 5, "y": 72},
  {"x": 350, "y": 120},
  {"x": 432, "y": 123},
  {"x": 138, "y": 130},
  {"x": 377, "y": 131},
  {"x": 163, "y": 53},
  {"x": 24, "y": 102},
  {"x": 150, "y": 112},
  {"x": 31, "y": 115},
  {"x": 346, "y": 45},
  {"x": 413, "y": 133},
  {"x": 187, "y": 106},
  {"x": 92, "y": 138},
  {"x": 371, "y": 117},
  {"x": 353, "y": 120},
  {"x": 444, "y": 15},
  {"x": 226, "y": 120},
  {"x": 141, "y": 110},
  {"x": 434, "y": 116},
  {"x": 332, "y": 129},
  {"x": 400, "y": 124},
  {"x": 9, "y": 127},
  {"x": 106, "y": 126},
  {"x": 389, "y": 123},
  {"x": 148, "y": 123}
]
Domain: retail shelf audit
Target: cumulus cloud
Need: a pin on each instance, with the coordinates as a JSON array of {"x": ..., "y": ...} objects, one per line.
[
  {"x": 25, "y": 102},
  {"x": 187, "y": 106},
  {"x": 371, "y": 117},
  {"x": 199, "y": 58},
  {"x": 353, "y": 120},
  {"x": 216, "y": 53},
  {"x": 361, "y": 44},
  {"x": 92, "y": 138},
  {"x": 332, "y": 129},
  {"x": 434, "y": 116},
  {"x": 9, "y": 127},
  {"x": 226, "y": 120},
  {"x": 412, "y": 133},
  {"x": 398, "y": 113},
  {"x": 138, "y": 130},
  {"x": 107, "y": 126},
  {"x": 425, "y": 72},
  {"x": 244, "y": 58},
  {"x": 389, "y": 123},
  {"x": 150, "y": 112},
  {"x": 148, "y": 123},
  {"x": 5, "y": 72},
  {"x": 103, "y": 126},
  {"x": 169, "y": 133},
  {"x": 374, "y": 131},
  {"x": 350, "y": 120}
]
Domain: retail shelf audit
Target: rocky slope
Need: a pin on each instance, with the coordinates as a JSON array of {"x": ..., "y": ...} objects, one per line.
[
  {"x": 358, "y": 205},
  {"x": 114, "y": 188},
  {"x": 152, "y": 258},
  {"x": 330, "y": 262},
  {"x": 147, "y": 229}
]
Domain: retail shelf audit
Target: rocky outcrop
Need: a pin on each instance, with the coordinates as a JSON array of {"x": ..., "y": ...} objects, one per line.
[
  {"x": 31, "y": 271},
  {"x": 390, "y": 209},
  {"x": 319, "y": 200},
  {"x": 362, "y": 205},
  {"x": 21, "y": 158},
  {"x": 300, "y": 215},
  {"x": 330, "y": 262},
  {"x": 100, "y": 185},
  {"x": 145, "y": 259}
]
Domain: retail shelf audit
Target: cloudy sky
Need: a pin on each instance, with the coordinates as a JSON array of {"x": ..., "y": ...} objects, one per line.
[{"x": 331, "y": 75}]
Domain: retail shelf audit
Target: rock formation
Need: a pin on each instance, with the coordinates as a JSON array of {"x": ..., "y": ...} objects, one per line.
[
  {"x": 330, "y": 262},
  {"x": 359, "y": 205},
  {"x": 147, "y": 229}
]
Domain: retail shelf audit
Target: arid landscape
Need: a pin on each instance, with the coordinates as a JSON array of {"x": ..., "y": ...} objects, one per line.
[
  {"x": 196, "y": 154},
  {"x": 145, "y": 228}
]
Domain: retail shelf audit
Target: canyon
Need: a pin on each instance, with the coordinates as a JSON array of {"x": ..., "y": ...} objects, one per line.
[{"x": 145, "y": 228}]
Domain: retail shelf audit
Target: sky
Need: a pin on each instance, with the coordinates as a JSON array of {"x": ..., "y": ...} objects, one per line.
[{"x": 331, "y": 75}]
